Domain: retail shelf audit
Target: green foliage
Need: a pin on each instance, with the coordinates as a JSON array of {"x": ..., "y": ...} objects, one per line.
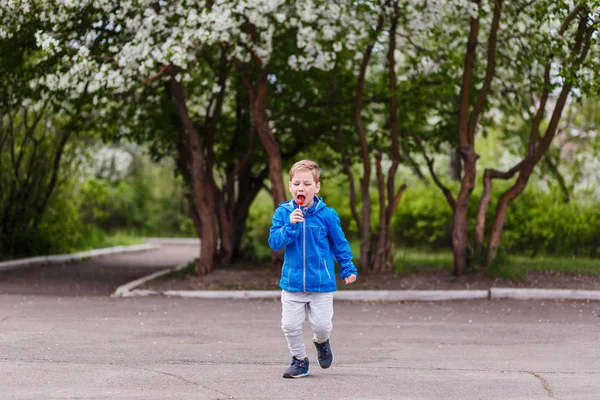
[
  {"x": 572, "y": 265},
  {"x": 503, "y": 267},
  {"x": 423, "y": 218},
  {"x": 34, "y": 160},
  {"x": 95, "y": 238},
  {"x": 335, "y": 193},
  {"x": 255, "y": 242},
  {"x": 407, "y": 260},
  {"x": 516, "y": 267},
  {"x": 148, "y": 201},
  {"x": 57, "y": 232},
  {"x": 540, "y": 222}
]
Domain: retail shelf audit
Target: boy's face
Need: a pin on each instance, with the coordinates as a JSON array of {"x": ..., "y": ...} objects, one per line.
[{"x": 304, "y": 187}]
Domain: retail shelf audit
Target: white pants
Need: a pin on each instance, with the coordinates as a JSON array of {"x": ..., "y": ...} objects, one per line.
[{"x": 295, "y": 306}]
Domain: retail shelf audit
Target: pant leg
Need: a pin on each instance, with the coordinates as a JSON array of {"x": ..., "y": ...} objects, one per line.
[
  {"x": 320, "y": 315},
  {"x": 293, "y": 314}
]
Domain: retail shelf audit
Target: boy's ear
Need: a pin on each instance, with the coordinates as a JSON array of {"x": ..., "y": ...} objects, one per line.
[{"x": 318, "y": 187}]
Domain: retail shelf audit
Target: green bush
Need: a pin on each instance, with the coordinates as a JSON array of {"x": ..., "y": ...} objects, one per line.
[
  {"x": 423, "y": 218},
  {"x": 540, "y": 222},
  {"x": 58, "y": 230},
  {"x": 255, "y": 242},
  {"x": 537, "y": 222},
  {"x": 148, "y": 201}
]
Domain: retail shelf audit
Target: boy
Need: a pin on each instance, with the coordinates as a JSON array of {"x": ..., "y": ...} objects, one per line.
[{"x": 311, "y": 234}]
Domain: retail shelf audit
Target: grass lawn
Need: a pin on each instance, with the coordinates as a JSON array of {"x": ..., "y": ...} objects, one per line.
[
  {"x": 99, "y": 240},
  {"x": 411, "y": 260}
]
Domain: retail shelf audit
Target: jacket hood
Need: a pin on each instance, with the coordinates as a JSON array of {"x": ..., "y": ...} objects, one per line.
[{"x": 318, "y": 205}]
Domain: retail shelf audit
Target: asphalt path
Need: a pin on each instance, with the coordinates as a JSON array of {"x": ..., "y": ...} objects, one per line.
[
  {"x": 94, "y": 277},
  {"x": 71, "y": 344}
]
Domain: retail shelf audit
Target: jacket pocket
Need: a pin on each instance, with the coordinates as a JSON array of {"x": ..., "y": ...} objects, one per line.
[{"x": 326, "y": 270}]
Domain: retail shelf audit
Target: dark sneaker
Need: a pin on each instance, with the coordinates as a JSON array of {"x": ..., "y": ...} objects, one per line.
[
  {"x": 325, "y": 354},
  {"x": 298, "y": 369}
]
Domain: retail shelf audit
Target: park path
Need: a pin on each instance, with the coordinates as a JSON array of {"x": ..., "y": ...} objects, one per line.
[
  {"x": 156, "y": 347},
  {"x": 95, "y": 277},
  {"x": 63, "y": 337}
]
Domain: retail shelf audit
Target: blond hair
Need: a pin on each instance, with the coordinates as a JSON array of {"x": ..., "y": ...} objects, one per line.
[{"x": 307, "y": 165}]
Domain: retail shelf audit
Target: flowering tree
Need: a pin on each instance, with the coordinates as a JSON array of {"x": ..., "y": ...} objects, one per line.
[
  {"x": 558, "y": 57},
  {"x": 35, "y": 133},
  {"x": 129, "y": 49},
  {"x": 416, "y": 44},
  {"x": 506, "y": 47}
]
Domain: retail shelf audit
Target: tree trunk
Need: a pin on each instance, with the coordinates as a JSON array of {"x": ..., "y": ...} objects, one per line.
[
  {"x": 455, "y": 165},
  {"x": 560, "y": 179},
  {"x": 346, "y": 163},
  {"x": 365, "y": 180},
  {"x": 211, "y": 122},
  {"x": 467, "y": 124},
  {"x": 378, "y": 259},
  {"x": 488, "y": 177},
  {"x": 579, "y": 53},
  {"x": 202, "y": 192},
  {"x": 481, "y": 213},
  {"x": 502, "y": 209},
  {"x": 460, "y": 239},
  {"x": 393, "y": 197},
  {"x": 261, "y": 121},
  {"x": 226, "y": 229},
  {"x": 258, "y": 98}
]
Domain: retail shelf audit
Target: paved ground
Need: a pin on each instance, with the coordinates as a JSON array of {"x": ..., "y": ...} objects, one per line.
[
  {"x": 67, "y": 346},
  {"x": 99, "y": 276}
]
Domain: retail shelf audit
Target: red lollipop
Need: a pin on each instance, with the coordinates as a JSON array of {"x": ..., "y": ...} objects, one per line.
[{"x": 300, "y": 201}]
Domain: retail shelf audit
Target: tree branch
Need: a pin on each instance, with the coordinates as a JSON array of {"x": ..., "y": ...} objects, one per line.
[
  {"x": 163, "y": 70},
  {"x": 571, "y": 17},
  {"x": 464, "y": 137},
  {"x": 489, "y": 72},
  {"x": 430, "y": 162}
]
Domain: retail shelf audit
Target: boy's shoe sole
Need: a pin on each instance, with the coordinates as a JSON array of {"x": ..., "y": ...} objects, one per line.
[{"x": 296, "y": 376}]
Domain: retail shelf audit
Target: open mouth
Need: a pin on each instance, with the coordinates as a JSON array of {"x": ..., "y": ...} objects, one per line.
[{"x": 300, "y": 199}]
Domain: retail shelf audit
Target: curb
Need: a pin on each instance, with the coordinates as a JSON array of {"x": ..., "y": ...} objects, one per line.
[
  {"x": 27, "y": 262},
  {"x": 159, "y": 240},
  {"x": 544, "y": 294},
  {"x": 128, "y": 290},
  {"x": 410, "y": 295},
  {"x": 342, "y": 295}
]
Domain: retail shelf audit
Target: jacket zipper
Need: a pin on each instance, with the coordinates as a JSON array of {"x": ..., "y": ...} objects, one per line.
[{"x": 304, "y": 251}]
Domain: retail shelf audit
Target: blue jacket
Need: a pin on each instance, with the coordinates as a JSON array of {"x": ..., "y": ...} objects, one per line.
[{"x": 309, "y": 248}]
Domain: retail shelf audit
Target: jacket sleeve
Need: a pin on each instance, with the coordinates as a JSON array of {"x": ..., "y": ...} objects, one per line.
[
  {"x": 282, "y": 230},
  {"x": 341, "y": 247}
]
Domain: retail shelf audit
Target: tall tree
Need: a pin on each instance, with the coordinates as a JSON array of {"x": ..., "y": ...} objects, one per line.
[
  {"x": 143, "y": 44},
  {"x": 35, "y": 134},
  {"x": 569, "y": 57},
  {"x": 475, "y": 26}
]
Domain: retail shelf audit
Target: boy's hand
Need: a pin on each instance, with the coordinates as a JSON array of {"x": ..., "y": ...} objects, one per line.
[
  {"x": 296, "y": 216},
  {"x": 350, "y": 279}
]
